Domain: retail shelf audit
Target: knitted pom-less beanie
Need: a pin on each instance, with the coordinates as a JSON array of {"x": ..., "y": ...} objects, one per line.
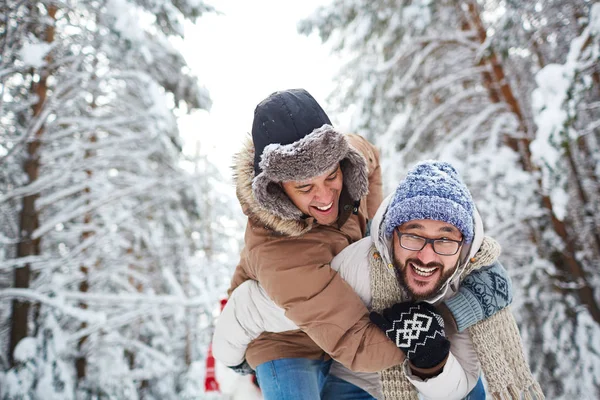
[{"x": 432, "y": 190}]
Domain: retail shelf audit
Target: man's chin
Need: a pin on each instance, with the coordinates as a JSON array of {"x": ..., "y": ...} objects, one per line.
[
  {"x": 421, "y": 293},
  {"x": 328, "y": 221},
  {"x": 421, "y": 290},
  {"x": 419, "y": 296}
]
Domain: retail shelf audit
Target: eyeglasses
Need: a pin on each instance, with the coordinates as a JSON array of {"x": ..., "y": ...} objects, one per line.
[{"x": 443, "y": 247}]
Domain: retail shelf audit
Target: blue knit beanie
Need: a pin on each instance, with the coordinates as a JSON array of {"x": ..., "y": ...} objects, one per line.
[{"x": 432, "y": 190}]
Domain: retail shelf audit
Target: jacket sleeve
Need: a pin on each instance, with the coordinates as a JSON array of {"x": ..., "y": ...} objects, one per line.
[
  {"x": 239, "y": 275},
  {"x": 248, "y": 313},
  {"x": 371, "y": 154},
  {"x": 482, "y": 293},
  {"x": 323, "y": 305}
]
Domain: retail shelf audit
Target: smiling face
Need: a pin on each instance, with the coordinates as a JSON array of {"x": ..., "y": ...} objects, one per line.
[
  {"x": 319, "y": 196},
  {"x": 424, "y": 272}
]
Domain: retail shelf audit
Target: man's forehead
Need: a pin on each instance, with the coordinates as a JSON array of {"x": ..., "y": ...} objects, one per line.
[{"x": 429, "y": 224}]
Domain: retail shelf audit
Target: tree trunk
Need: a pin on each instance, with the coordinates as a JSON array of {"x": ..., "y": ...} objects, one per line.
[
  {"x": 577, "y": 180},
  {"x": 499, "y": 83},
  {"x": 80, "y": 361},
  {"x": 29, "y": 219}
]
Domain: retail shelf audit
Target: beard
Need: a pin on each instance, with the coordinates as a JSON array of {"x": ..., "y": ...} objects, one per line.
[{"x": 402, "y": 277}]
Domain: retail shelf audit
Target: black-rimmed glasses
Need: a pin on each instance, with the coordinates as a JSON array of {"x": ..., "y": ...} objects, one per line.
[{"x": 443, "y": 247}]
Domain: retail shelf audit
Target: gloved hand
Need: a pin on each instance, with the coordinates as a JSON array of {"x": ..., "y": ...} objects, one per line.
[
  {"x": 417, "y": 329},
  {"x": 481, "y": 294},
  {"x": 243, "y": 369}
]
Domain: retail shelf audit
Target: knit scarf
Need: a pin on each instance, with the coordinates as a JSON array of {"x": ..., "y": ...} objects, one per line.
[{"x": 496, "y": 340}]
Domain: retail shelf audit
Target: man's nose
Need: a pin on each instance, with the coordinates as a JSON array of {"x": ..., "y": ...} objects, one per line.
[
  {"x": 322, "y": 193},
  {"x": 426, "y": 254}
]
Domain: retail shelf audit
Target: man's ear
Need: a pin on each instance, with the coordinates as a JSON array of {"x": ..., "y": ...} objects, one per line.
[{"x": 468, "y": 252}]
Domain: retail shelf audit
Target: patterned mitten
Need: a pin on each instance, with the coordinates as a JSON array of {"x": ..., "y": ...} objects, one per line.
[
  {"x": 417, "y": 329},
  {"x": 482, "y": 293}
]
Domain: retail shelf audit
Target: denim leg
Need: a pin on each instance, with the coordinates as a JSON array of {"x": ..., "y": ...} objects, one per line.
[
  {"x": 292, "y": 378},
  {"x": 478, "y": 392},
  {"x": 339, "y": 389}
]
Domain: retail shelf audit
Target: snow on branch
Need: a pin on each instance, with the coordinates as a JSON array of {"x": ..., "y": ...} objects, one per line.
[
  {"x": 471, "y": 125},
  {"x": 111, "y": 323},
  {"x": 435, "y": 114},
  {"x": 80, "y": 211},
  {"x": 10, "y": 264},
  {"x": 163, "y": 358},
  {"x": 36, "y": 186},
  {"x": 33, "y": 296},
  {"x": 448, "y": 80},
  {"x": 134, "y": 299}
]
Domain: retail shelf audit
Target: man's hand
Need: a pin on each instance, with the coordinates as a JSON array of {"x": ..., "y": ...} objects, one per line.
[{"x": 417, "y": 329}]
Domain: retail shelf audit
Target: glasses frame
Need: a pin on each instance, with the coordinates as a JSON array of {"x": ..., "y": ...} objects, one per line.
[{"x": 427, "y": 241}]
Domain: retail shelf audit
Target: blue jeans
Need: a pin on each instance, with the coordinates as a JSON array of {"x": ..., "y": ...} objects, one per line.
[
  {"x": 292, "y": 378},
  {"x": 339, "y": 389},
  {"x": 478, "y": 392},
  {"x": 301, "y": 378}
]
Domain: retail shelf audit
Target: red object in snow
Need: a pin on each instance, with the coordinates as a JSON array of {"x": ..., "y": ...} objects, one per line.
[{"x": 210, "y": 380}]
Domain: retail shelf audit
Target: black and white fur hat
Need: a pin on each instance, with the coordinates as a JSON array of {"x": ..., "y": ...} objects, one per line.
[{"x": 294, "y": 141}]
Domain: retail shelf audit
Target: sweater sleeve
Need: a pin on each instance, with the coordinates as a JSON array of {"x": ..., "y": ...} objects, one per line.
[
  {"x": 371, "y": 154},
  {"x": 323, "y": 305},
  {"x": 482, "y": 293}
]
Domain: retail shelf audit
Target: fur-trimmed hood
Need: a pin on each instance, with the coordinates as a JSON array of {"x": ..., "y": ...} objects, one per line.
[
  {"x": 243, "y": 176},
  {"x": 313, "y": 155},
  {"x": 263, "y": 199}
]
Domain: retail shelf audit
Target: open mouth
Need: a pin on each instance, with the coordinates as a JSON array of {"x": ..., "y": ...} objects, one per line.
[
  {"x": 324, "y": 209},
  {"x": 424, "y": 272}
]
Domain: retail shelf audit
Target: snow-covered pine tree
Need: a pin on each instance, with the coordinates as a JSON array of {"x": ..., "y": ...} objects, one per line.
[
  {"x": 454, "y": 80},
  {"x": 116, "y": 268}
]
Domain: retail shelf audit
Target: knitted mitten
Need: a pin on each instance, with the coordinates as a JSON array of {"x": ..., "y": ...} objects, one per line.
[
  {"x": 417, "y": 330},
  {"x": 482, "y": 293}
]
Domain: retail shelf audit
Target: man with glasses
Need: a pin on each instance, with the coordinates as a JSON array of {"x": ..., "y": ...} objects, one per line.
[{"x": 426, "y": 255}]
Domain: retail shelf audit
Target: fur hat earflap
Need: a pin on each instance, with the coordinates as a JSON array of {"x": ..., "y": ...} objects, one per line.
[{"x": 306, "y": 158}]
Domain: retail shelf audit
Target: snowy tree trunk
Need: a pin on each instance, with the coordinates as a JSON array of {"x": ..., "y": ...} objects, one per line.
[
  {"x": 29, "y": 219},
  {"x": 497, "y": 80},
  {"x": 578, "y": 179},
  {"x": 80, "y": 360}
]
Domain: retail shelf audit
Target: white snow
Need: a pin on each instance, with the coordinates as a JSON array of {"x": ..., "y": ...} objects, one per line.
[
  {"x": 33, "y": 53},
  {"x": 417, "y": 14},
  {"x": 25, "y": 350},
  {"x": 551, "y": 113},
  {"x": 594, "y": 24},
  {"x": 126, "y": 19}
]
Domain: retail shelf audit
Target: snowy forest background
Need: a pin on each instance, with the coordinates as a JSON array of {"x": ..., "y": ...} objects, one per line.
[{"x": 115, "y": 246}]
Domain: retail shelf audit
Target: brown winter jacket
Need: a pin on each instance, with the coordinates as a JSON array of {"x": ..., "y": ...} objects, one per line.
[{"x": 291, "y": 261}]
